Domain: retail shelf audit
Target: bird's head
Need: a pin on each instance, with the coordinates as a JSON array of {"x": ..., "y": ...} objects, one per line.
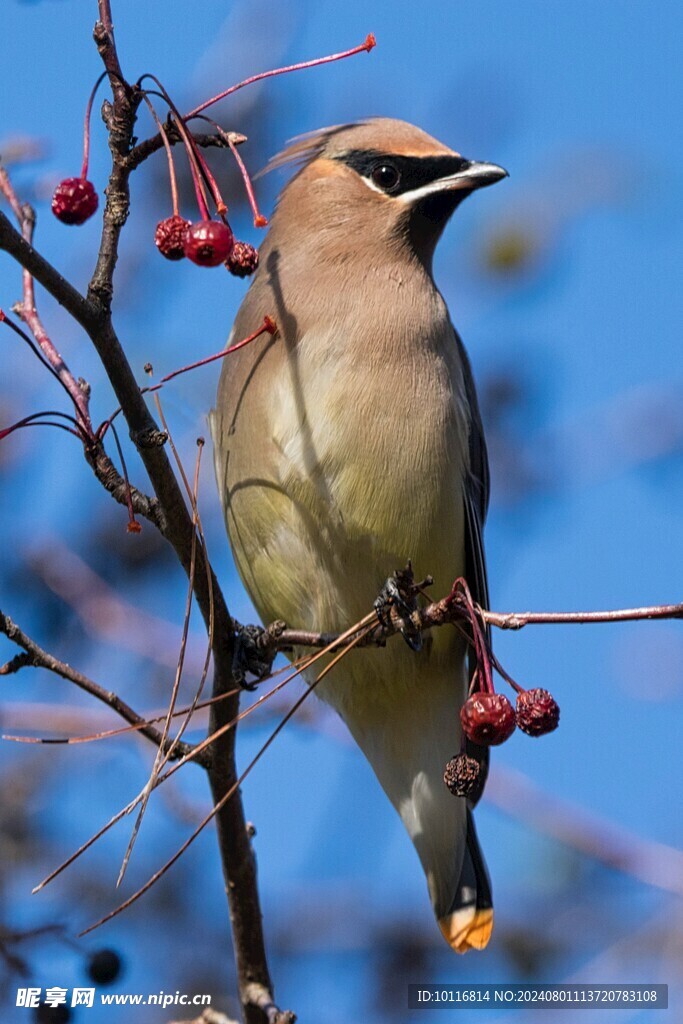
[{"x": 382, "y": 180}]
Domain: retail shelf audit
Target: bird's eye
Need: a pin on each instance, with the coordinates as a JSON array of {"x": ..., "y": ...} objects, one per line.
[{"x": 386, "y": 176}]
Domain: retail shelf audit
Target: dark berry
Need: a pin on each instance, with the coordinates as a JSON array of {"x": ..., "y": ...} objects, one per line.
[
  {"x": 53, "y": 1014},
  {"x": 104, "y": 966},
  {"x": 243, "y": 260},
  {"x": 208, "y": 242},
  {"x": 487, "y": 718},
  {"x": 462, "y": 775},
  {"x": 74, "y": 200},
  {"x": 169, "y": 237},
  {"x": 537, "y": 712}
]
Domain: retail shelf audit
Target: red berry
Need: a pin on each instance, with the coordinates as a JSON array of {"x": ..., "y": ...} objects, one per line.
[
  {"x": 74, "y": 200},
  {"x": 462, "y": 775},
  {"x": 537, "y": 712},
  {"x": 208, "y": 242},
  {"x": 169, "y": 237},
  {"x": 487, "y": 718},
  {"x": 243, "y": 260}
]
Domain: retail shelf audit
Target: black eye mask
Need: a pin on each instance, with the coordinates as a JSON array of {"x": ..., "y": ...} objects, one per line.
[{"x": 414, "y": 171}]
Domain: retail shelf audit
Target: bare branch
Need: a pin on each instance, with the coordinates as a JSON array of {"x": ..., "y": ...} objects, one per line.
[
  {"x": 40, "y": 658},
  {"x": 143, "y": 150},
  {"x": 112, "y": 481},
  {"x": 16, "y": 663},
  {"x": 66, "y": 295},
  {"x": 258, "y": 996},
  {"x": 517, "y": 620},
  {"x": 277, "y": 637},
  {"x": 26, "y": 309}
]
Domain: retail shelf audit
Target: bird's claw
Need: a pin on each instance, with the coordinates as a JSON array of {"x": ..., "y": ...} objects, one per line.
[
  {"x": 253, "y": 654},
  {"x": 400, "y": 594}
]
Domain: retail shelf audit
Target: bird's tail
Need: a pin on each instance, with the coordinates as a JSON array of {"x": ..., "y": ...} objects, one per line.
[
  {"x": 408, "y": 739},
  {"x": 469, "y": 923}
]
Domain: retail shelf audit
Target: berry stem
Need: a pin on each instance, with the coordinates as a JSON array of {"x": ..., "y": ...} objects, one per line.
[
  {"x": 36, "y": 420},
  {"x": 506, "y": 676},
  {"x": 169, "y": 156},
  {"x": 27, "y": 312},
  {"x": 133, "y": 525},
  {"x": 460, "y": 594},
  {"x": 366, "y": 46},
  {"x": 259, "y": 220},
  {"x": 86, "y": 126},
  {"x": 190, "y": 147},
  {"x": 267, "y": 327},
  {"x": 4, "y": 319},
  {"x": 221, "y": 205}
]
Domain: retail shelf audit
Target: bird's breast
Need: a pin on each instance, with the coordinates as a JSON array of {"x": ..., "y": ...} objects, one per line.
[
  {"x": 373, "y": 444},
  {"x": 367, "y": 444}
]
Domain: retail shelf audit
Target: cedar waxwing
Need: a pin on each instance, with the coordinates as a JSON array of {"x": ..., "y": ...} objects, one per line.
[{"x": 350, "y": 442}]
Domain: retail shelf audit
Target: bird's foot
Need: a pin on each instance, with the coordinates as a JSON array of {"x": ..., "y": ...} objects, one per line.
[
  {"x": 255, "y": 651},
  {"x": 399, "y": 595}
]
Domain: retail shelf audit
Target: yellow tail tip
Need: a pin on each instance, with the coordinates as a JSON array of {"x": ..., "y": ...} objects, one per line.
[{"x": 467, "y": 929}]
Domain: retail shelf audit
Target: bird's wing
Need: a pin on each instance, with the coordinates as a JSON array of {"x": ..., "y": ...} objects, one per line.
[
  {"x": 476, "y": 498},
  {"x": 472, "y": 914},
  {"x": 477, "y": 489}
]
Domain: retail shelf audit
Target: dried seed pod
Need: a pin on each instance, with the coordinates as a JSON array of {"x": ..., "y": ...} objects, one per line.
[
  {"x": 169, "y": 237},
  {"x": 462, "y": 775},
  {"x": 537, "y": 712},
  {"x": 243, "y": 260}
]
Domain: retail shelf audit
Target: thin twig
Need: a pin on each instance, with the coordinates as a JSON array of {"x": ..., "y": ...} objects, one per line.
[
  {"x": 26, "y": 310},
  {"x": 195, "y": 754},
  {"x": 364, "y": 47},
  {"x": 517, "y": 620},
  {"x": 192, "y": 493},
  {"x": 226, "y": 796},
  {"x": 158, "y": 760},
  {"x": 42, "y": 659}
]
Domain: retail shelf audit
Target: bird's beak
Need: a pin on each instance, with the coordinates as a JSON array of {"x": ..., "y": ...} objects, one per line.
[
  {"x": 469, "y": 176},
  {"x": 472, "y": 175}
]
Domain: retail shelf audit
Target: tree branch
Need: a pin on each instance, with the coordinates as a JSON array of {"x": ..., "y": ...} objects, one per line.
[
  {"x": 26, "y": 309},
  {"x": 278, "y": 637},
  {"x": 517, "y": 620},
  {"x": 234, "y": 842},
  {"x": 38, "y": 658},
  {"x": 145, "y": 149},
  {"x": 30, "y": 259},
  {"x": 112, "y": 481},
  {"x": 94, "y": 315}
]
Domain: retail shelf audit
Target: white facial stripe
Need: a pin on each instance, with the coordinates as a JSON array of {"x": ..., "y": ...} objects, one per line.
[
  {"x": 418, "y": 193},
  {"x": 467, "y": 178},
  {"x": 454, "y": 182},
  {"x": 370, "y": 183}
]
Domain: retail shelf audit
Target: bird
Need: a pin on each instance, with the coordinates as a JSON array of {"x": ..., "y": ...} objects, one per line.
[{"x": 350, "y": 441}]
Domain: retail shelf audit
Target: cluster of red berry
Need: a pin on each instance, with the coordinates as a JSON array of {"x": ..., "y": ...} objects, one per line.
[
  {"x": 488, "y": 718},
  {"x": 208, "y": 242}
]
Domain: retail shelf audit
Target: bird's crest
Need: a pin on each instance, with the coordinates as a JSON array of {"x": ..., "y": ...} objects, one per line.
[{"x": 304, "y": 148}]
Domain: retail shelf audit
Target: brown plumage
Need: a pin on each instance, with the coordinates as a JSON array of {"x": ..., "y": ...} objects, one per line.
[{"x": 351, "y": 441}]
